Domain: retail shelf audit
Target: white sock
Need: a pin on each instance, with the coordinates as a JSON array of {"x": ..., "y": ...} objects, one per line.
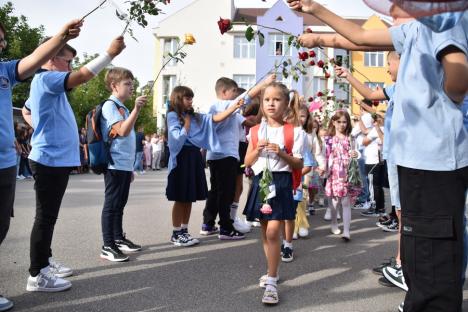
[
  {"x": 271, "y": 283},
  {"x": 345, "y": 203},
  {"x": 177, "y": 228},
  {"x": 288, "y": 244},
  {"x": 234, "y": 207},
  {"x": 184, "y": 226}
]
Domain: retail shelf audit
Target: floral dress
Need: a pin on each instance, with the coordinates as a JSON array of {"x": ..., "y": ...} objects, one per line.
[{"x": 338, "y": 161}]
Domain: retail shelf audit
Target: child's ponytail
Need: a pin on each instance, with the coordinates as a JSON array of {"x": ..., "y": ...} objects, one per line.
[{"x": 294, "y": 108}]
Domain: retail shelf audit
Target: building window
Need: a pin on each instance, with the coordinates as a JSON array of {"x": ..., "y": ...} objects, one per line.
[
  {"x": 170, "y": 46},
  {"x": 340, "y": 90},
  {"x": 374, "y": 59},
  {"x": 278, "y": 45},
  {"x": 243, "y": 48},
  {"x": 244, "y": 81},
  {"x": 169, "y": 82},
  {"x": 341, "y": 57},
  {"x": 375, "y": 85},
  {"x": 318, "y": 84}
]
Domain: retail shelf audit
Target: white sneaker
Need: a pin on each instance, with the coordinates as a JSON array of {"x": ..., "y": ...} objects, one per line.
[
  {"x": 46, "y": 281},
  {"x": 256, "y": 224},
  {"x": 241, "y": 226},
  {"x": 295, "y": 236},
  {"x": 5, "y": 304},
  {"x": 59, "y": 269},
  {"x": 327, "y": 216},
  {"x": 303, "y": 232},
  {"x": 20, "y": 177},
  {"x": 335, "y": 230}
]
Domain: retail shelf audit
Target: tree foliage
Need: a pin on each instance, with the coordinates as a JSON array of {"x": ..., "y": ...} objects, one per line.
[{"x": 22, "y": 40}]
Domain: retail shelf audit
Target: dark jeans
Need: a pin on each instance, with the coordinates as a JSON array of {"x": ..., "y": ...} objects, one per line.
[
  {"x": 7, "y": 198},
  {"x": 433, "y": 205},
  {"x": 378, "y": 176},
  {"x": 223, "y": 173},
  {"x": 50, "y": 185},
  {"x": 117, "y": 184}
]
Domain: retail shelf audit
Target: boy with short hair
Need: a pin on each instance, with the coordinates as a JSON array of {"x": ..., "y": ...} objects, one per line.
[
  {"x": 11, "y": 73},
  {"x": 54, "y": 153},
  {"x": 428, "y": 144},
  {"x": 117, "y": 127}
]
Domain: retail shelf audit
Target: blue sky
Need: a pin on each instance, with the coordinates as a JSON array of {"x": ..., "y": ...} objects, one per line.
[{"x": 103, "y": 25}]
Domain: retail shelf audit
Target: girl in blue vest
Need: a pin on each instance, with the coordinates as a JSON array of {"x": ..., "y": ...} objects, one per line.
[{"x": 267, "y": 150}]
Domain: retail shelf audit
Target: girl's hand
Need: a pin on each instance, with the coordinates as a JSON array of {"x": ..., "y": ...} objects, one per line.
[
  {"x": 341, "y": 72},
  {"x": 305, "y": 6},
  {"x": 308, "y": 40},
  {"x": 261, "y": 144},
  {"x": 353, "y": 154},
  {"x": 274, "y": 148}
]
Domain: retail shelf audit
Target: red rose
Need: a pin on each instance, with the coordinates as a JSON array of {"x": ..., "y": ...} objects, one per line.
[
  {"x": 311, "y": 99},
  {"x": 308, "y": 30},
  {"x": 319, "y": 93},
  {"x": 224, "y": 25},
  {"x": 312, "y": 53},
  {"x": 312, "y": 63},
  {"x": 327, "y": 75},
  {"x": 303, "y": 56},
  {"x": 320, "y": 64}
]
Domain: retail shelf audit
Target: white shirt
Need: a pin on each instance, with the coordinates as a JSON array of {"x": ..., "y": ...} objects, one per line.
[
  {"x": 372, "y": 150},
  {"x": 275, "y": 135},
  {"x": 157, "y": 144}
]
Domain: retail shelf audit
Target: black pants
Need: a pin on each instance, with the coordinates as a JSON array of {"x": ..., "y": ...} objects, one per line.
[
  {"x": 433, "y": 205},
  {"x": 7, "y": 198},
  {"x": 378, "y": 177},
  {"x": 223, "y": 185},
  {"x": 50, "y": 185},
  {"x": 117, "y": 183}
]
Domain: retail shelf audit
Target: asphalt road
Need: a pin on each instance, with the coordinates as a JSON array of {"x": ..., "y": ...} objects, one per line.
[{"x": 326, "y": 275}]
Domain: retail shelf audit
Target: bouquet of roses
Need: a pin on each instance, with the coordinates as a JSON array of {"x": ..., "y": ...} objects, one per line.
[{"x": 354, "y": 178}]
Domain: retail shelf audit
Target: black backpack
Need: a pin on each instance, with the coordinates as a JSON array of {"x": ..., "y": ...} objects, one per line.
[{"x": 98, "y": 150}]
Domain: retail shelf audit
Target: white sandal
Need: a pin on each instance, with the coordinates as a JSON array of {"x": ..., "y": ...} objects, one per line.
[
  {"x": 270, "y": 296},
  {"x": 262, "y": 280}
]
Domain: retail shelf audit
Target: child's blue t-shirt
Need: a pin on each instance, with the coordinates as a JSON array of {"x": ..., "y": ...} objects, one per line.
[
  {"x": 55, "y": 140},
  {"x": 8, "y": 78},
  {"x": 122, "y": 149},
  {"x": 427, "y": 126},
  {"x": 388, "y": 91}
]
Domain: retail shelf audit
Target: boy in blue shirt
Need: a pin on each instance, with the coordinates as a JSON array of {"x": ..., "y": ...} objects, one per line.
[
  {"x": 428, "y": 144},
  {"x": 11, "y": 73},
  {"x": 117, "y": 126},
  {"x": 54, "y": 153}
]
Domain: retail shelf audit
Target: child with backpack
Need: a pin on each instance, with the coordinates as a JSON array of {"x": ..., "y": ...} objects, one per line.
[
  {"x": 267, "y": 143},
  {"x": 117, "y": 127}
]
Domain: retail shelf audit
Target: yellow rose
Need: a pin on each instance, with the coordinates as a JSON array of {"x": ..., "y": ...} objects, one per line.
[{"x": 189, "y": 39}]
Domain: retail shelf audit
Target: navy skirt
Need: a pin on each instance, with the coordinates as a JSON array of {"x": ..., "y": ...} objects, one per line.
[
  {"x": 282, "y": 204},
  {"x": 187, "y": 182}
]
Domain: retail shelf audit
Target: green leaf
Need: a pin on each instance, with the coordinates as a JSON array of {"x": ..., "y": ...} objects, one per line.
[
  {"x": 249, "y": 33},
  {"x": 290, "y": 40},
  {"x": 261, "y": 38},
  {"x": 285, "y": 73},
  {"x": 285, "y": 64}
]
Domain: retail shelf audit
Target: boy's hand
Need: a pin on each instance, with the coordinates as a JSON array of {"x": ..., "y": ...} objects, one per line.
[
  {"x": 341, "y": 72},
  {"x": 237, "y": 104},
  {"x": 71, "y": 30},
  {"x": 141, "y": 101},
  {"x": 305, "y": 6},
  {"x": 308, "y": 40},
  {"x": 271, "y": 78},
  {"x": 117, "y": 46}
]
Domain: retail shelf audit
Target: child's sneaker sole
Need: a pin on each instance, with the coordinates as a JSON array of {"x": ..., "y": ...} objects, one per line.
[{"x": 111, "y": 258}]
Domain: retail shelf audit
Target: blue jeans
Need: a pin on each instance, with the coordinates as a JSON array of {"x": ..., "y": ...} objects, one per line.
[
  {"x": 138, "y": 166},
  {"x": 364, "y": 196}
]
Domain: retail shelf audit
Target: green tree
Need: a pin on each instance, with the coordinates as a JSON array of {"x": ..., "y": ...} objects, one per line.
[{"x": 22, "y": 40}]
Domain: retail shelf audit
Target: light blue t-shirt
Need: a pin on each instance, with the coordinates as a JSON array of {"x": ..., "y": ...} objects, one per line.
[
  {"x": 55, "y": 140},
  {"x": 465, "y": 112},
  {"x": 389, "y": 91},
  {"x": 122, "y": 149},
  {"x": 427, "y": 127},
  {"x": 8, "y": 78},
  {"x": 227, "y": 130}
]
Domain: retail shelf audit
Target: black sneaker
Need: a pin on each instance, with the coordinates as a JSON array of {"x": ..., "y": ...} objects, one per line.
[
  {"x": 401, "y": 307},
  {"x": 181, "y": 239},
  {"x": 382, "y": 224},
  {"x": 393, "y": 227},
  {"x": 378, "y": 270},
  {"x": 127, "y": 245},
  {"x": 282, "y": 249},
  {"x": 288, "y": 255},
  {"x": 230, "y": 235},
  {"x": 112, "y": 253},
  {"x": 394, "y": 275},
  {"x": 385, "y": 282},
  {"x": 186, "y": 233}
]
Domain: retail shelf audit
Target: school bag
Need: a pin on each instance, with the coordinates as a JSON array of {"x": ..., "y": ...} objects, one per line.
[
  {"x": 288, "y": 132},
  {"x": 98, "y": 150}
]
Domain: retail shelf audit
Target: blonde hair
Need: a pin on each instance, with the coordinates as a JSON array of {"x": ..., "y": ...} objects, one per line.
[{"x": 116, "y": 75}]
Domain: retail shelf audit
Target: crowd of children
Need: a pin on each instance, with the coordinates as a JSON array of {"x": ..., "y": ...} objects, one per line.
[{"x": 293, "y": 159}]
